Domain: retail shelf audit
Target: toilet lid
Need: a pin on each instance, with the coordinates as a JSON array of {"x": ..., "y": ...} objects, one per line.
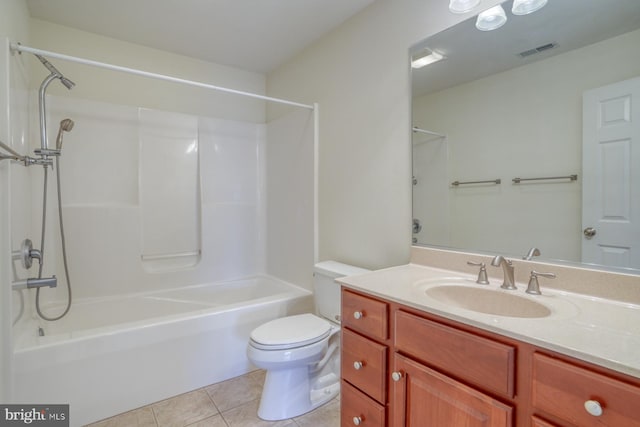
[{"x": 291, "y": 331}]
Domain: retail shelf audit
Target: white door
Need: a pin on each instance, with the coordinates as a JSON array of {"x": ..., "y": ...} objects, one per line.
[{"x": 611, "y": 175}]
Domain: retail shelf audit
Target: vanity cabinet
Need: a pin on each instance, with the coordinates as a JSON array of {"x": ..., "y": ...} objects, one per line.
[{"x": 405, "y": 367}]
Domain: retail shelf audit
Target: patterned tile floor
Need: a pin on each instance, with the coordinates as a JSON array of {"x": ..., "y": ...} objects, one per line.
[{"x": 231, "y": 403}]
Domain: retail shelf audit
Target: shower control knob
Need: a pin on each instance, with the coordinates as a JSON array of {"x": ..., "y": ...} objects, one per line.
[
  {"x": 396, "y": 376},
  {"x": 358, "y": 315},
  {"x": 357, "y": 420},
  {"x": 27, "y": 254},
  {"x": 357, "y": 365}
]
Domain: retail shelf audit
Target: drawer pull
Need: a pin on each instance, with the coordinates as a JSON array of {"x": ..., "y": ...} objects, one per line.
[
  {"x": 358, "y": 315},
  {"x": 593, "y": 407},
  {"x": 357, "y": 420},
  {"x": 357, "y": 365},
  {"x": 396, "y": 376}
]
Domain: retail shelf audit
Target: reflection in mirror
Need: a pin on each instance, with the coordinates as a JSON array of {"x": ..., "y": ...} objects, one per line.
[{"x": 535, "y": 124}]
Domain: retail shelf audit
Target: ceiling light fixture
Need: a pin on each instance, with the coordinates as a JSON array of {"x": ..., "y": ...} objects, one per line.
[
  {"x": 525, "y": 7},
  {"x": 425, "y": 57},
  {"x": 491, "y": 19},
  {"x": 462, "y": 6}
]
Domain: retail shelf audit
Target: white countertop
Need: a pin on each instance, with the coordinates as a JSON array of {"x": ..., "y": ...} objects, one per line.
[{"x": 596, "y": 330}]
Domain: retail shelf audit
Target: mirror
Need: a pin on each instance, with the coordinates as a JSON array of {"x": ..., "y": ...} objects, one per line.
[{"x": 498, "y": 134}]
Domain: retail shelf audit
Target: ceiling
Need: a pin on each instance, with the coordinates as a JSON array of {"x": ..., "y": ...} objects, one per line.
[
  {"x": 472, "y": 54},
  {"x": 254, "y": 35}
]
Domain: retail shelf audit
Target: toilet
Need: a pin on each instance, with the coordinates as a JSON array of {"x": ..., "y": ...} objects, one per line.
[{"x": 301, "y": 353}]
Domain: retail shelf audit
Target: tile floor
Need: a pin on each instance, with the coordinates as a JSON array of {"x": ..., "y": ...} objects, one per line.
[{"x": 231, "y": 403}]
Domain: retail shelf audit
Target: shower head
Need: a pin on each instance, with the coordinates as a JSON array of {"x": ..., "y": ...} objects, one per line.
[
  {"x": 54, "y": 71},
  {"x": 67, "y": 83},
  {"x": 65, "y": 126}
]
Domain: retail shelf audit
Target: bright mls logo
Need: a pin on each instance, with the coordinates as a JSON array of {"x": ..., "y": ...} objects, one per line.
[{"x": 34, "y": 415}]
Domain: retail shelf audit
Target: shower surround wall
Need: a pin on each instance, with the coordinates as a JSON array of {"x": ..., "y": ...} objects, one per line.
[
  {"x": 248, "y": 211},
  {"x": 136, "y": 200}
]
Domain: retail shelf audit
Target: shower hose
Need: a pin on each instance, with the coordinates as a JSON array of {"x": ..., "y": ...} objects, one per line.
[{"x": 62, "y": 239}]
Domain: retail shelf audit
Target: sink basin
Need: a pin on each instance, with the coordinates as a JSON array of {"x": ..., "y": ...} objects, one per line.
[{"x": 488, "y": 301}]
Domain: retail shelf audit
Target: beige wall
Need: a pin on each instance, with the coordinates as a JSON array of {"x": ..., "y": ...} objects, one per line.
[
  {"x": 120, "y": 88},
  {"x": 525, "y": 122},
  {"x": 359, "y": 74}
]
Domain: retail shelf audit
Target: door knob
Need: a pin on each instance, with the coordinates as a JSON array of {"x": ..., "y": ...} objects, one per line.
[{"x": 589, "y": 232}]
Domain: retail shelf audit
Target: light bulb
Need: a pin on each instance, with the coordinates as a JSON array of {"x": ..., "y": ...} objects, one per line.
[
  {"x": 524, "y": 7},
  {"x": 462, "y": 6},
  {"x": 491, "y": 19}
]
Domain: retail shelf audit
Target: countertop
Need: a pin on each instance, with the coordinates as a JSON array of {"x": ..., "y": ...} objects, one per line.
[{"x": 597, "y": 330}]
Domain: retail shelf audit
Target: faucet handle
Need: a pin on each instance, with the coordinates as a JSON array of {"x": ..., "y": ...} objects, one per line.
[
  {"x": 534, "y": 287},
  {"x": 482, "y": 274}
]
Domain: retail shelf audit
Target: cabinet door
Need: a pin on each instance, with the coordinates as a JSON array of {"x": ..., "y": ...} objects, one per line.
[{"x": 423, "y": 397}]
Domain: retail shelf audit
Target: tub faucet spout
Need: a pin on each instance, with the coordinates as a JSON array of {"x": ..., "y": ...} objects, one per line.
[
  {"x": 51, "y": 282},
  {"x": 507, "y": 268}
]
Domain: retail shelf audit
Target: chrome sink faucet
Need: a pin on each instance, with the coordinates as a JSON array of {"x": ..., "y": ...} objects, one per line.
[{"x": 507, "y": 268}]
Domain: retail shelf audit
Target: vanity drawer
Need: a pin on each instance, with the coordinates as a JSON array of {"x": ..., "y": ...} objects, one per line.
[
  {"x": 478, "y": 360},
  {"x": 537, "y": 422},
  {"x": 357, "y": 407},
  {"x": 364, "y": 363},
  {"x": 561, "y": 389},
  {"x": 365, "y": 315}
]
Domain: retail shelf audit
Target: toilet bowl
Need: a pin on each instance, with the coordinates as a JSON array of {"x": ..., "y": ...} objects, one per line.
[{"x": 301, "y": 353}]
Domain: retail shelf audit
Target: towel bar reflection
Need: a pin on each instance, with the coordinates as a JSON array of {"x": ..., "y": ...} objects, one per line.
[
  {"x": 547, "y": 178},
  {"x": 491, "y": 181},
  {"x": 428, "y": 132}
]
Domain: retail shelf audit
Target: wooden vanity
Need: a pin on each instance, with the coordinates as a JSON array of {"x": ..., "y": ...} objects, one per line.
[{"x": 402, "y": 366}]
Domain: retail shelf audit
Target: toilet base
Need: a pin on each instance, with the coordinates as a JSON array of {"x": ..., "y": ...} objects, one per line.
[{"x": 289, "y": 393}]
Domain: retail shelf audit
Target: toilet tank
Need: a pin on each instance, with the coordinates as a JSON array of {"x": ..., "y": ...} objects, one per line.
[{"x": 327, "y": 291}]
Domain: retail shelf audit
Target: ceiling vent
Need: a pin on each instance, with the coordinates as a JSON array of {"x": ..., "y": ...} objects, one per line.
[{"x": 538, "y": 49}]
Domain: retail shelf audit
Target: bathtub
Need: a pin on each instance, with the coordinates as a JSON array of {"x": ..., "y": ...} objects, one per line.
[{"x": 110, "y": 355}]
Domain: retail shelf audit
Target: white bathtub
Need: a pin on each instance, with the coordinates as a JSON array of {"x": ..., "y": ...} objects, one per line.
[{"x": 114, "y": 354}]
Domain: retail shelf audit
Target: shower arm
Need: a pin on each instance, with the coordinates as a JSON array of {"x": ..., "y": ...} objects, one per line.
[{"x": 44, "y": 152}]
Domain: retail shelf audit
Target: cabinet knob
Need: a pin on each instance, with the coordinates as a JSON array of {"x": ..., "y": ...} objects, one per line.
[
  {"x": 593, "y": 407},
  {"x": 358, "y": 315},
  {"x": 357, "y": 365},
  {"x": 357, "y": 420},
  {"x": 396, "y": 376}
]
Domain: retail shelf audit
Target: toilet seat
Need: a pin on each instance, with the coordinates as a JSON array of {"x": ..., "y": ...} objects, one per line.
[{"x": 290, "y": 332}]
